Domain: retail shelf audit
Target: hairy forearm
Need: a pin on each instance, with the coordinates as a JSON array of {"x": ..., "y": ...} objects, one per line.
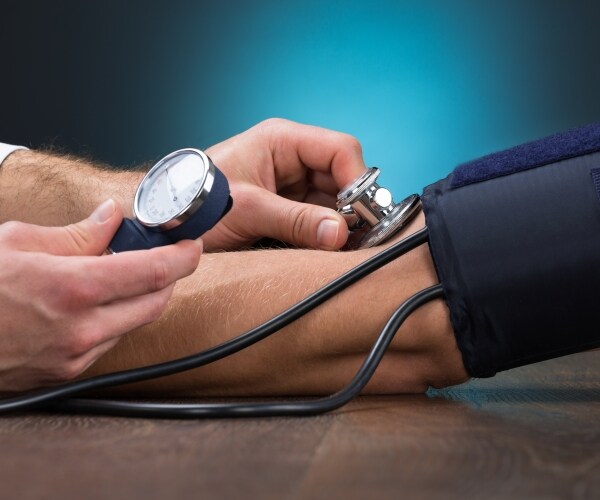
[
  {"x": 232, "y": 292},
  {"x": 55, "y": 190}
]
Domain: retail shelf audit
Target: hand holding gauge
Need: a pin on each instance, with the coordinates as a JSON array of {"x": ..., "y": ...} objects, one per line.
[
  {"x": 184, "y": 195},
  {"x": 181, "y": 197}
]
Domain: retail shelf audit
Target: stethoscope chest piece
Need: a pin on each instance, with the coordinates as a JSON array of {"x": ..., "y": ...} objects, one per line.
[{"x": 370, "y": 211}]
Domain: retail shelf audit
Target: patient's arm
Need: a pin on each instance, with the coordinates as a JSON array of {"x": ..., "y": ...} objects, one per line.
[{"x": 232, "y": 292}]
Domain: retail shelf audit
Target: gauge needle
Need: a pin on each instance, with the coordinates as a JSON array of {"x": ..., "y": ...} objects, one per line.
[{"x": 173, "y": 190}]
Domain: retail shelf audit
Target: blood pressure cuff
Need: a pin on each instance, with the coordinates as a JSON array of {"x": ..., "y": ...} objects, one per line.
[{"x": 515, "y": 238}]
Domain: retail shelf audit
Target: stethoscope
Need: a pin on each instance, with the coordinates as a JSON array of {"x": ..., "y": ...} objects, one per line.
[
  {"x": 181, "y": 197},
  {"x": 370, "y": 211}
]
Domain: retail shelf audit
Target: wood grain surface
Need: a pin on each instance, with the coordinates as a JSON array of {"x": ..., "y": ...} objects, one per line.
[{"x": 533, "y": 432}]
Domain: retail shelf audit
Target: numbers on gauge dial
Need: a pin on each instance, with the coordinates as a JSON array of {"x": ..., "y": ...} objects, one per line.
[{"x": 172, "y": 188}]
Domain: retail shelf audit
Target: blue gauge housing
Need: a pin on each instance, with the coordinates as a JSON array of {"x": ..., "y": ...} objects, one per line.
[{"x": 216, "y": 202}]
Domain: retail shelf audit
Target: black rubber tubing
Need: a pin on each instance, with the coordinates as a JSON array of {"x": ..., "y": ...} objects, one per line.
[
  {"x": 43, "y": 396},
  {"x": 265, "y": 409}
]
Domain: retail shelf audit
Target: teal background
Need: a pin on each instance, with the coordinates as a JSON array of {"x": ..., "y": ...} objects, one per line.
[{"x": 423, "y": 85}]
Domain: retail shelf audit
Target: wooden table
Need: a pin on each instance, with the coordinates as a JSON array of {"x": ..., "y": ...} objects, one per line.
[{"x": 529, "y": 433}]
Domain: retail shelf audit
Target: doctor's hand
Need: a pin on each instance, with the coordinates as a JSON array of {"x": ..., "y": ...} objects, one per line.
[
  {"x": 284, "y": 178},
  {"x": 63, "y": 303}
]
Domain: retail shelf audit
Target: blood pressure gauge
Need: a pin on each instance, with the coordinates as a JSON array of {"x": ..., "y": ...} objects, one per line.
[
  {"x": 181, "y": 197},
  {"x": 370, "y": 211}
]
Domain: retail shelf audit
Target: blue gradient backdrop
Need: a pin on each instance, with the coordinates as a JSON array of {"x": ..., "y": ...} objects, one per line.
[{"x": 423, "y": 85}]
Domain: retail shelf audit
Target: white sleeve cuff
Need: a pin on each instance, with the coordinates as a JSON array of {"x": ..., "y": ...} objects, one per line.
[{"x": 6, "y": 149}]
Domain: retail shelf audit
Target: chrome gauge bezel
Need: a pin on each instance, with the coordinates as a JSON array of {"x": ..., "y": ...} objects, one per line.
[{"x": 207, "y": 180}]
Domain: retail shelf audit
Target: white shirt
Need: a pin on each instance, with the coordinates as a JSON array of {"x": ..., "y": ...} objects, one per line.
[{"x": 6, "y": 149}]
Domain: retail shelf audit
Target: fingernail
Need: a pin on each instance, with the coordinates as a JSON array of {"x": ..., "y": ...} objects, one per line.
[
  {"x": 327, "y": 233},
  {"x": 103, "y": 212}
]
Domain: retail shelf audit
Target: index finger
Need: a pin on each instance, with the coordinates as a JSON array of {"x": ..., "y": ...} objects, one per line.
[{"x": 323, "y": 150}]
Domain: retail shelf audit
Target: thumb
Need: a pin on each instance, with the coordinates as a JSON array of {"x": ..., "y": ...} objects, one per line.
[
  {"x": 301, "y": 224},
  {"x": 90, "y": 236}
]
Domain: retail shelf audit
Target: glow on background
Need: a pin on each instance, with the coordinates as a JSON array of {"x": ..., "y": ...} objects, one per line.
[{"x": 423, "y": 85}]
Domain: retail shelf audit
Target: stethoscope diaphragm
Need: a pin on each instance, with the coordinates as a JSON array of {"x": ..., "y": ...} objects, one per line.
[{"x": 370, "y": 211}]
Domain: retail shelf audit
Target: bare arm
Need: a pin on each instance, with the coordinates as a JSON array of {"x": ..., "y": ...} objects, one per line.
[
  {"x": 55, "y": 190},
  {"x": 317, "y": 354},
  {"x": 232, "y": 292}
]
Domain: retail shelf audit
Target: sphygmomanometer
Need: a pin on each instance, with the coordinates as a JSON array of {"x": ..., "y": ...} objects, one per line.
[
  {"x": 515, "y": 239},
  {"x": 181, "y": 197}
]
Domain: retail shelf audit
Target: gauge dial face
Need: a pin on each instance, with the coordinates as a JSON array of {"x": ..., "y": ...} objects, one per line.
[{"x": 170, "y": 188}]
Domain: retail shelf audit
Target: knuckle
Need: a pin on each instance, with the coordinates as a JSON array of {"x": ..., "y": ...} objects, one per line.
[
  {"x": 193, "y": 258},
  {"x": 10, "y": 231},
  {"x": 274, "y": 122},
  {"x": 68, "y": 368},
  {"x": 352, "y": 143},
  {"x": 85, "y": 294},
  {"x": 79, "y": 238},
  {"x": 82, "y": 343},
  {"x": 155, "y": 306},
  {"x": 299, "y": 217},
  {"x": 75, "y": 293},
  {"x": 160, "y": 300},
  {"x": 63, "y": 296},
  {"x": 160, "y": 274},
  {"x": 67, "y": 371},
  {"x": 80, "y": 340}
]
